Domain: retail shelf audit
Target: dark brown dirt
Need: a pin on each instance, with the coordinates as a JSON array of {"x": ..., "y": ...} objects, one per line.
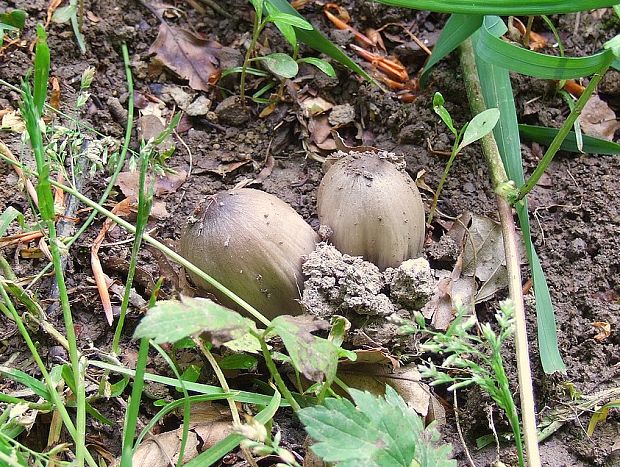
[{"x": 575, "y": 215}]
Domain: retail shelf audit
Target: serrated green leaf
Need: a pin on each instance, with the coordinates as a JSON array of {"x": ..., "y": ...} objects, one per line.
[
  {"x": 280, "y": 64},
  {"x": 314, "y": 357},
  {"x": 322, "y": 65},
  {"x": 591, "y": 145},
  {"x": 457, "y": 29},
  {"x": 320, "y": 43},
  {"x": 479, "y": 126},
  {"x": 171, "y": 320},
  {"x": 501, "y": 7},
  {"x": 494, "y": 50},
  {"x": 290, "y": 20},
  {"x": 376, "y": 431}
]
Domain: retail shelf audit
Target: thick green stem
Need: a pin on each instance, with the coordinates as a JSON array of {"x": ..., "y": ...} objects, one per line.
[
  {"x": 498, "y": 176},
  {"x": 564, "y": 130}
]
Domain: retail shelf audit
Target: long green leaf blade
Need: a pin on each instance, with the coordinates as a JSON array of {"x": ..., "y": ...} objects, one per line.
[
  {"x": 591, "y": 145},
  {"x": 457, "y": 29},
  {"x": 494, "y": 50},
  {"x": 501, "y": 7},
  {"x": 319, "y": 42},
  {"x": 41, "y": 69},
  {"x": 497, "y": 91}
]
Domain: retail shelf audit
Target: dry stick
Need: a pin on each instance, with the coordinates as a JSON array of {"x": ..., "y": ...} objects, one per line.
[{"x": 498, "y": 177}]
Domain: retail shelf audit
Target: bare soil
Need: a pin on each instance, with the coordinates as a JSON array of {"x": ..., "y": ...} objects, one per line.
[{"x": 575, "y": 212}]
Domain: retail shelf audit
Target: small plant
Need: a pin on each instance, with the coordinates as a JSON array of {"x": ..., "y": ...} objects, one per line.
[
  {"x": 12, "y": 22},
  {"x": 279, "y": 64},
  {"x": 74, "y": 13},
  {"x": 479, "y": 126},
  {"x": 475, "y": 358}
]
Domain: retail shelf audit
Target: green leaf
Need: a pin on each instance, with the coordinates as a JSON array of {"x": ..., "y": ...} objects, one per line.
[
  {"x": 221, "y": 448},
  {"x": 41, "y": 69},
  {"x": 8, "y": 216},
  {"x": 39, "y": 388},
  {"x": 601, "y": 415},
  {"x": 238, "y": 361},
  {"x": 479, "y": 126},
  {"x": 280, "y": 64},
  {"x": 376, "y": 431},
  {"x": 15, "y": 19},
  {"x": 319, "y": 42},
  {"x": 457, "y": 29},
  {"x": 494, "y": 50},
  {"x": 248, "y": 70},
  {"x": 290, "y": 20},
  {"x": 497, "y": 92},
  {"x": 322, "y": 65},
  {"x": 501, "y": 7},
  {"x": 313, "y": 356},
  {"x": 64, "y": 14},
  {"x": 439, "y": 109},
  {"x": 591, "y": 145},
  {"x": 287, "y": 30},
  {"x": 171, "y": 320},
  {"x": 258, "y": 7}
]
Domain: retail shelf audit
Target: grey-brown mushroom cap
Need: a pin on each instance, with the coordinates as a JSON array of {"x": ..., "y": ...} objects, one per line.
[
  {"x": 374, "y": 210},
  {"x": 252, "y": 243}
]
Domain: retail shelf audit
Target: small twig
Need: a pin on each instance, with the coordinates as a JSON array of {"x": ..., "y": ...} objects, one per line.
[
  {"x": 460, "y": 432},
  {"x": 498, "y": 176}
]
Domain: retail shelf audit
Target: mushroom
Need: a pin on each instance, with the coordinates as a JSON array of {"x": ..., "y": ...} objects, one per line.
[
  {"x": 373, "y": 209},
  {"x": 251, "y": 242}
]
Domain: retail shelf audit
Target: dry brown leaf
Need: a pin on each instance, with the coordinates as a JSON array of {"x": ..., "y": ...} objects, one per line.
[
  {"x": 320, "y": 133},
  {"x": 604, "y": 330},
  {"x": 13, "y": 121},
  {"x": 51, "y": 8},
  {"x": 164, "y": 184},
  {"x": 189, "y": 56},
  {"x": 55, "y": 93},
  {"x": 597, "y": 119}
]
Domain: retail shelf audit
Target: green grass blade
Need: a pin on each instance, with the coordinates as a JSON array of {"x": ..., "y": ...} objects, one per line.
[
  {"x": 494, "y": 50},
  {"x": 591, "y": 145},
  {"x": 497, "y": 91},
  {"x": 319, "y": 42},
  {"x": 457, "y": 29},
  {"x": 221, "y": 448},
  {"x": 41, "y": 69},
  {"x": 239, "y": 396},
  {"x": 501, "y": 7}
]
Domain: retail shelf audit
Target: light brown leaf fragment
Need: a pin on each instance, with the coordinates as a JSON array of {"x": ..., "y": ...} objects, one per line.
[
  {"x": 604, "y": 330},
  {"x": 189, "y": 56},
  {"x": 597, "y": 119}
]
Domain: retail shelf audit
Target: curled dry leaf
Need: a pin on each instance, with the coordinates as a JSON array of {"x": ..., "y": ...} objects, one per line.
[
  {"x": 188, "y": 55},
  {"x": 604, "y": 330},
  {"x": 597, "y": 119}
]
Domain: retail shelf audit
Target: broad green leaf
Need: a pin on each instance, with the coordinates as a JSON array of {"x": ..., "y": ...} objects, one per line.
[
  {"x": 290, "y": 20},
  {"x": 41, "y": 69},
  {"x": 171, "y": 320},
  {"x": 8, "y": 216},
  {"x": 238, "y": 361},
  {"x": 322, "y": 65},
  {"x": 497, "y": 92},
  {"x": 501, "y": 7},
  {"x": 591, "y": 145},
  {"x": 479, "y": 126},
  {"x": 280, "y": 64},
  {"x": 15, "y": 19},
  {"x": 375, "y": 432},
  {"x": 64, "y": 14},
  {"x": 314, "y": 357},
  {"x": 457, "y": 29},
  {"x": 287, "y": 30},
  {"x": 438, "y": 102},
  {"x": 503, "y": 54},
  {"x": 221, "y": 448},
  {"x": 319, "y": 42}
]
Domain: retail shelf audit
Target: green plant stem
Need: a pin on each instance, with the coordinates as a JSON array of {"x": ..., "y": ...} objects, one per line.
[
  {"x": 498, "y": 176},
  {"x": 258, "y": 27},
  {"x": 564, "y": 130},
  {"x": 144, "y": 208},
  {"x": 444, "y": 177},
  {"x": 119, "y": 164},
  {"x": 131, "y": 416},
  {"x": 58, "y": 403},
  {"x": 271, "y": 366}
]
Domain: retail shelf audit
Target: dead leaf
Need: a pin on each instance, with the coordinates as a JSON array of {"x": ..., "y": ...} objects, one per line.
[
  {"x": 536, "y": 41},
  {"x": 597, "y": 119},
  {"x": 164, "y": 184},
  {"x": 320, "y": 133},
  {"x": 313, "y": 106},
  {"x": 13, "y": 121},
  {"x": 51, "y": 8},
  {"x": 189, "y": 56},
  {"x": 55, "y": 93},
  {"x": 604, "y": 330}
]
